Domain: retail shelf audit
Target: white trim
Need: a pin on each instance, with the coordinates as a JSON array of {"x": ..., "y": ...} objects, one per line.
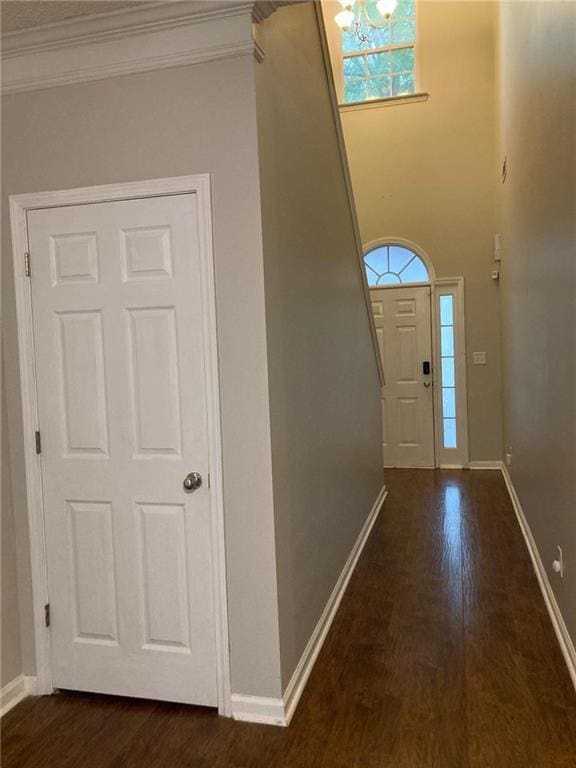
[
  {"x": 348, "y": 183},
  {"x": 491, "y": 464},
  {"x": 389, "y": 101},
  {"x": 256, "y": 709},
  {"x": 16, "y": 690},
  {"x": 153, "y": 15},
  {"x": 391, "y": 286},
  {"x": 564, "y": 640},
  {"x": 111, "y": 25},
  {"x": 449, "y": 466},
  {"x": 19, "y": 205},
  {"x": 39, "y": 576},
  {"x": 215, "y": 457},
  {"x": 411, "y": 466},
  {"x": 137, "y": 40}
]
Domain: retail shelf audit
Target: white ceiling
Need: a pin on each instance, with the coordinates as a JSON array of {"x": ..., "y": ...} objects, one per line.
[{"x": 24, "y": 14}]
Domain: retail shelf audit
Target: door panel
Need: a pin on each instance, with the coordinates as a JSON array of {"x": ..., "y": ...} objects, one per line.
[
  {"x": 403, "y": 327},
  {"x": 93, "y": 582},
  {"x": 122, "y": 411},
  {"x": 82, "y": 385},
  {"x": 164, "y": 576},
  {"x": 154, "y": 381}
]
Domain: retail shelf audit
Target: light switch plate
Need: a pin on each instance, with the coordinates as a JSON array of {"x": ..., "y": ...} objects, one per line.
[
  {"x": 479, "y": 358},
  {"x": 497, "y": 248}
]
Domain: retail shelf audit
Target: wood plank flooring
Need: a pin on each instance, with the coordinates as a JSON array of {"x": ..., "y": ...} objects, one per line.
[{"x": 442, "y": 655}]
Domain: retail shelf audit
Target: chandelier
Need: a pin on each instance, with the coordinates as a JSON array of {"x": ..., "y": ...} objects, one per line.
[{"x": 359, "y": 23}]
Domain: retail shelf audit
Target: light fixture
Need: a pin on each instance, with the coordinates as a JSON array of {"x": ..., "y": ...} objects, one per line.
[
  {"x": 344, "y": 19},
  {"x": 386, "y": 7},
  {"x": 360, "y": 23}
]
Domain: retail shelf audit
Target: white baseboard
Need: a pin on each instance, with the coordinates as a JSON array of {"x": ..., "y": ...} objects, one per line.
[
  {"x": 258, "y": 709},
  {"x": 492, "y": 464},
  {"x": 299, "y": 678},
  {"x": 560, "y": 628},
  {"x": 412, "y": 466},
  {"x": 272, "y": 711},
  {"x": 16, "y": 690},
  {"x": 450, "y": 466}
]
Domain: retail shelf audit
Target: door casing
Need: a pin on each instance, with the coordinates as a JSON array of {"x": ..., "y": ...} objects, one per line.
[
  {"x": 200, "y": 185},
  {"x": 455, "y": 286}
]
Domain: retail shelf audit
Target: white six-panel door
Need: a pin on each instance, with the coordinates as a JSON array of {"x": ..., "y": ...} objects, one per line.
[
  {"x": 403, "y": 325},
  {"x": 116, "y": 300}
]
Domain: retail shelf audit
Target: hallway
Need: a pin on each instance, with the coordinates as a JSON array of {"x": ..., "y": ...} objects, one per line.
[{"x": 442, "y": 655}]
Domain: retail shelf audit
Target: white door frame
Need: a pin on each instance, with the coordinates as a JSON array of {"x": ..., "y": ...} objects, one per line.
[
  {"x": 200, "y": 185},
  {"x": 454, "y": 285}
]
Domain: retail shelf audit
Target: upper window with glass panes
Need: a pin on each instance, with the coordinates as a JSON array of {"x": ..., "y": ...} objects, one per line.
[{"x": 379, "y": 64}]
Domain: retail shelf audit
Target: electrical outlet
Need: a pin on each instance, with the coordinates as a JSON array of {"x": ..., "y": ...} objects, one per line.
[
  {"x": 508, "y": 458},
  {"x": 558, "y": 564}
]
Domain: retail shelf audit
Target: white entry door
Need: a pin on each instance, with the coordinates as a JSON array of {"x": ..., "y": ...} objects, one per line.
[
  {"x": 117, "y": 306},
  {"x": 403, "y": 325}
]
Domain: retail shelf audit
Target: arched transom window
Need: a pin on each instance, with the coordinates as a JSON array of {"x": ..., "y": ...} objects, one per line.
[{"x": 394, "y": 264}]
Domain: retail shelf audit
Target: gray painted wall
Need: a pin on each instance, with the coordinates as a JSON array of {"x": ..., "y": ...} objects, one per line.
[
  {"x": 174, "y": 122},
  {"x": 11, "y": 655},
  {"x": 324, "y": 387},
  {"x": 538, "y": 103}
]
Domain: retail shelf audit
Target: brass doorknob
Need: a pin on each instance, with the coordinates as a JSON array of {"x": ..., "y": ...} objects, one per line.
[{"x": 192, "y": 482}]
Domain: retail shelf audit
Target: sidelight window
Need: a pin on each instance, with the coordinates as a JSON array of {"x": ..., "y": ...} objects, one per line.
[{"x": 448, "y": 371}]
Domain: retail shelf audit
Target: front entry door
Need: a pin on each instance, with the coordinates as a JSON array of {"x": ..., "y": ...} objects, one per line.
[
  {"x": 118, "y": 337},
  {"x": 403, "y": 325}
]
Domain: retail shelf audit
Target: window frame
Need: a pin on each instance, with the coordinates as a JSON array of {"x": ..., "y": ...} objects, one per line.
[
  {"x": 416, "y": 94},
  {"x": 445, "y": 458},
  {"x": 458, "y": 457},
  {"x": 402, "y": 243}
]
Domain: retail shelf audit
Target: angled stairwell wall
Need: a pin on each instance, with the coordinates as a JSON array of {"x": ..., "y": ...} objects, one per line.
[{"x": 323, "y": 377}]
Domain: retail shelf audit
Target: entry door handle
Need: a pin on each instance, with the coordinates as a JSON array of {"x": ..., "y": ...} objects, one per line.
[{"x": 192, "y": 482}]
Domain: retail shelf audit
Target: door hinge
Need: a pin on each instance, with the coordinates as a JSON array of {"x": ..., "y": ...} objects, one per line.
[
  {"x": 27, "y": 264},
  {"x": 38, "y": 440},
  {"x": 208, "y": 479},
  {"x": 47, "y": 614}
]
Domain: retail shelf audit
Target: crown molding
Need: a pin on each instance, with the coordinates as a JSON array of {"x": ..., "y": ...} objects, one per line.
[
  {"x": 152, "y": 17},
  {"x": 151, "y": 37},
  {"x": 264, "y": 8}
]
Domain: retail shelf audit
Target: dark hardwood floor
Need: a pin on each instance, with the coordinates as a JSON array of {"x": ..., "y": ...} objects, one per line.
[{"x": 442, "y": 655}]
